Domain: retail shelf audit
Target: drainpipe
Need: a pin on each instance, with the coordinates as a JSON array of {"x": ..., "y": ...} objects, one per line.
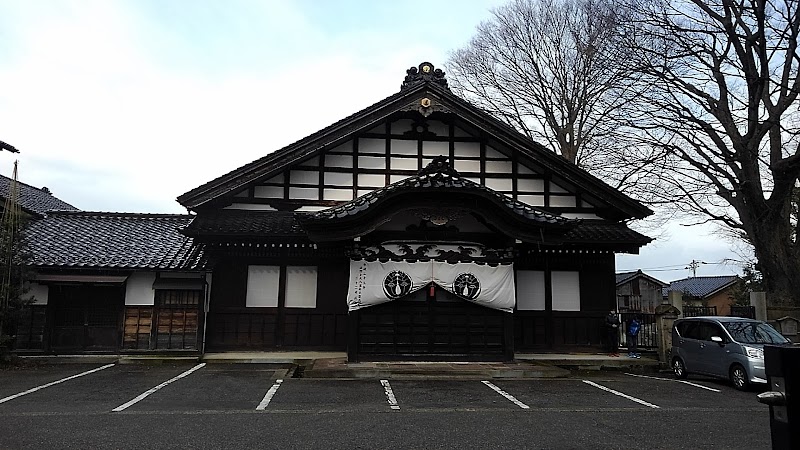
[{"x": 206, "y": 306}]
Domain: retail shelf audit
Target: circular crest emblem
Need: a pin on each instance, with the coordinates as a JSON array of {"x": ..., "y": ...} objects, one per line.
[
  {"x": 396, "y": 284},
  {"x": 467, "y": 285}
]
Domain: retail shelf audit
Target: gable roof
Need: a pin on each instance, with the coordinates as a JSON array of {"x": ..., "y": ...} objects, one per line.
[
  {"x": 33, "y": 200},
  {"x": 103, "y": 240},
  {"x": 624, "y": 277},
  {"x": 407, "y": 99},
  {"x": 702, "y": 286},
  {"x": 436, "y": 176}
]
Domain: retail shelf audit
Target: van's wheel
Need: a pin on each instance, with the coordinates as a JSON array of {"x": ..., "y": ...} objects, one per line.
[
  {"x": 679, "y": 368},
  {"x": 739, "y": 377}
]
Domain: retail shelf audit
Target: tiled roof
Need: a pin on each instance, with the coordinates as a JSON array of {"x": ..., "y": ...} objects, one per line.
[
  {"x": 701, "y": 286},
  {"x": 624, "y": 277},
  {"x": 246, "y": 224},
  {"x": 34, "y": 200},
  {"x": 591, "y": 231},
  {"x": 434, "y": 178},
  {"x": 113, "y": 241}
]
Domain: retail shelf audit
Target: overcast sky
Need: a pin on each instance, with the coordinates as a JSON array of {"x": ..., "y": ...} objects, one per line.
[{"x": 124, "y": 105}]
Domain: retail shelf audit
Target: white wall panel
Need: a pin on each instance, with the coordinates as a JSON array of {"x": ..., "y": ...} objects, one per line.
[
  {"x": 404, "y": 147},
  {"x": 301, "y": 287},
  {"x": 403, "y": 163},
  {"x": 304, "y": 177},
  {"x": 345, "y": 161},
  {"x": 339, "y": 178},
  {"x": 498, "y": 167},
  {"x": 268, "y": 191},
  {"x": 371, "y": 180},
  {"x": 524, "y": 170},
  {"x": 533, "y": 200},
  {"x": 493, "y": 153},
  {"x": 530, "y": 185},
  {"x": 435, "y": 148},
  {"x": 458, "y": 132},
  {"x": 311, "y": 208},
  {"x": 396, "y": 178},
  {"x": 278, "y": 179},
  {"x": 468, "y": 149},
  {"x": 371, "y": 162},
  {"x": 367, "y": 145},
  {"x": 262, "y": 286},
  {"x": 580, "y": 216},
  {"x": 566, "y": 291},
  {"x": 250, "y": 207},
  {"x": 139, "y": 289},
  {"x": 303, "y": 193},
  {"x": 363, "y": 192},
  {"x": 464, "y": 166},
  {"x": 530, "y": 290},
  {"x": 244, "y": 193},
  {"x": 499, "y": 184},
  {"x": 557, "y": 189},
  {"x": 337, "y": 194},
  {"x": 563, "y": 201}
]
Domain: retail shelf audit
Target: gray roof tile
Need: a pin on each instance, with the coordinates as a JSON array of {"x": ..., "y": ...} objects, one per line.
[
  {"x": 34, "y": 200},
  {"x": 113, "y": 241}
]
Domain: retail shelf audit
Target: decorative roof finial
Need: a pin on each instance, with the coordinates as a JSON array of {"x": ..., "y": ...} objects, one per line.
[
  {"x": 423, "y": 74},
  {"x": 439, "y": 164}
]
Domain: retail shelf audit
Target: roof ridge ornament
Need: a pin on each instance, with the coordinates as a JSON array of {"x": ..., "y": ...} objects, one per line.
[
  {"x": 439, "y": 164},
  {"x": 425, "y": 73}
]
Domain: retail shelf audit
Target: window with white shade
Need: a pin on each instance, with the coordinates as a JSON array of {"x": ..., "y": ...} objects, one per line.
[
  {"x": 530, "y": 290},
  {"x": 566, "y": 291},
  {"x": 301, "y": 287},
  {"x": 262, "y": 286}
]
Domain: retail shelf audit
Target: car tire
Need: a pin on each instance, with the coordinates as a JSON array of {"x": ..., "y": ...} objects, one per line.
[
  {"x": 738, "y": 377},
  {"x": 679, "y": 368}
]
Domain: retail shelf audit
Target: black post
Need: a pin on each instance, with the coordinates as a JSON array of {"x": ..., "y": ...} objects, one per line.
[
  {"x": 508, "y": 337},
  {"x": 352, "y": 336},
  {"x": 782, "y": 366}
]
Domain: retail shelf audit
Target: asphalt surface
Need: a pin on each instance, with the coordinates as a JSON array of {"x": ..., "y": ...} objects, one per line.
[{"x": 246, "y": 406}]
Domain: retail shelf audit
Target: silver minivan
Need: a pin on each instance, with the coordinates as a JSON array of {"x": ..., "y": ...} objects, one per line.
[{"x": 722, "y": 347}]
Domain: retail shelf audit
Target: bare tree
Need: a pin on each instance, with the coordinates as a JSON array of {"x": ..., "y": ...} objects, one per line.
[
  {"x": 553, "y": 69},
  {"x": 722, "y": 112}
]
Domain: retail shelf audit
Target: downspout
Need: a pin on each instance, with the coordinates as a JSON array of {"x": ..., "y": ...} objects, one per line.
[{"x": 206, "y": 307}]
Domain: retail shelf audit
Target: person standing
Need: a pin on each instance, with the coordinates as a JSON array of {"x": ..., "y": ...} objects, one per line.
[
  {"x": 612, "y": 333},
  {"x": 633, "y": 337}
]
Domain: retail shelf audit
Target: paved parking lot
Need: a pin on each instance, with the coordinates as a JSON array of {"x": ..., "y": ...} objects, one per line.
[{"x": 241, "y": 406}]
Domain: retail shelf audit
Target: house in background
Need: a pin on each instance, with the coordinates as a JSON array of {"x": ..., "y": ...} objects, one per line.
[
  {"x": 710, "y": 291},
  {"x": 638, "y": 292}
]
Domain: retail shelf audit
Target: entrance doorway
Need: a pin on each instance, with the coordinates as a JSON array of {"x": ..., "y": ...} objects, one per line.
[{"x": 421, "y": 325}]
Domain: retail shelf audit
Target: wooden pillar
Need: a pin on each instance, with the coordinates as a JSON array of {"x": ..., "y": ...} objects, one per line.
[
  {"x": 352, "y": 336},
  {"x": 280, "y": 319},
  {"x": 508, "y": 337}
]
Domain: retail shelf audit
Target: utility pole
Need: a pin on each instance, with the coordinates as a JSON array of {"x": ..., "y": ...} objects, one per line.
[{"x": 693, "y": 266}]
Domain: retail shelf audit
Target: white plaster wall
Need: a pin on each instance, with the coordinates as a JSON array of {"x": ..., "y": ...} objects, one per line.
[
  {"x": 139, "y": 289},
  {"x": 39, "y": 292}
]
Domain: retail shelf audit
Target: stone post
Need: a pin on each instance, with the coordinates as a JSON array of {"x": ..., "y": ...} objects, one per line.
[
  {"x": 665, "y": 317},
  {"x": 675, "y": 298},
  {"x": 759, "y": 301}
]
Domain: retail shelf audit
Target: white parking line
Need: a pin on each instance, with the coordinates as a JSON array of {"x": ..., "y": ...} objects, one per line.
[
  {"x": 678, "y": 381},
  {"x": 390, "y": 394},
  {"x": 150, "y": 391},
  {"x": 506, "y": 395},
  {"x": 12, "y": 397},
  {"x": 640, "y": 401},
  {"x": 268, "y": 397}
]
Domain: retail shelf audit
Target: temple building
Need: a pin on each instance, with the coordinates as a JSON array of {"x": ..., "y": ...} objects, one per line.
[{"x": 420, "y": 227}]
